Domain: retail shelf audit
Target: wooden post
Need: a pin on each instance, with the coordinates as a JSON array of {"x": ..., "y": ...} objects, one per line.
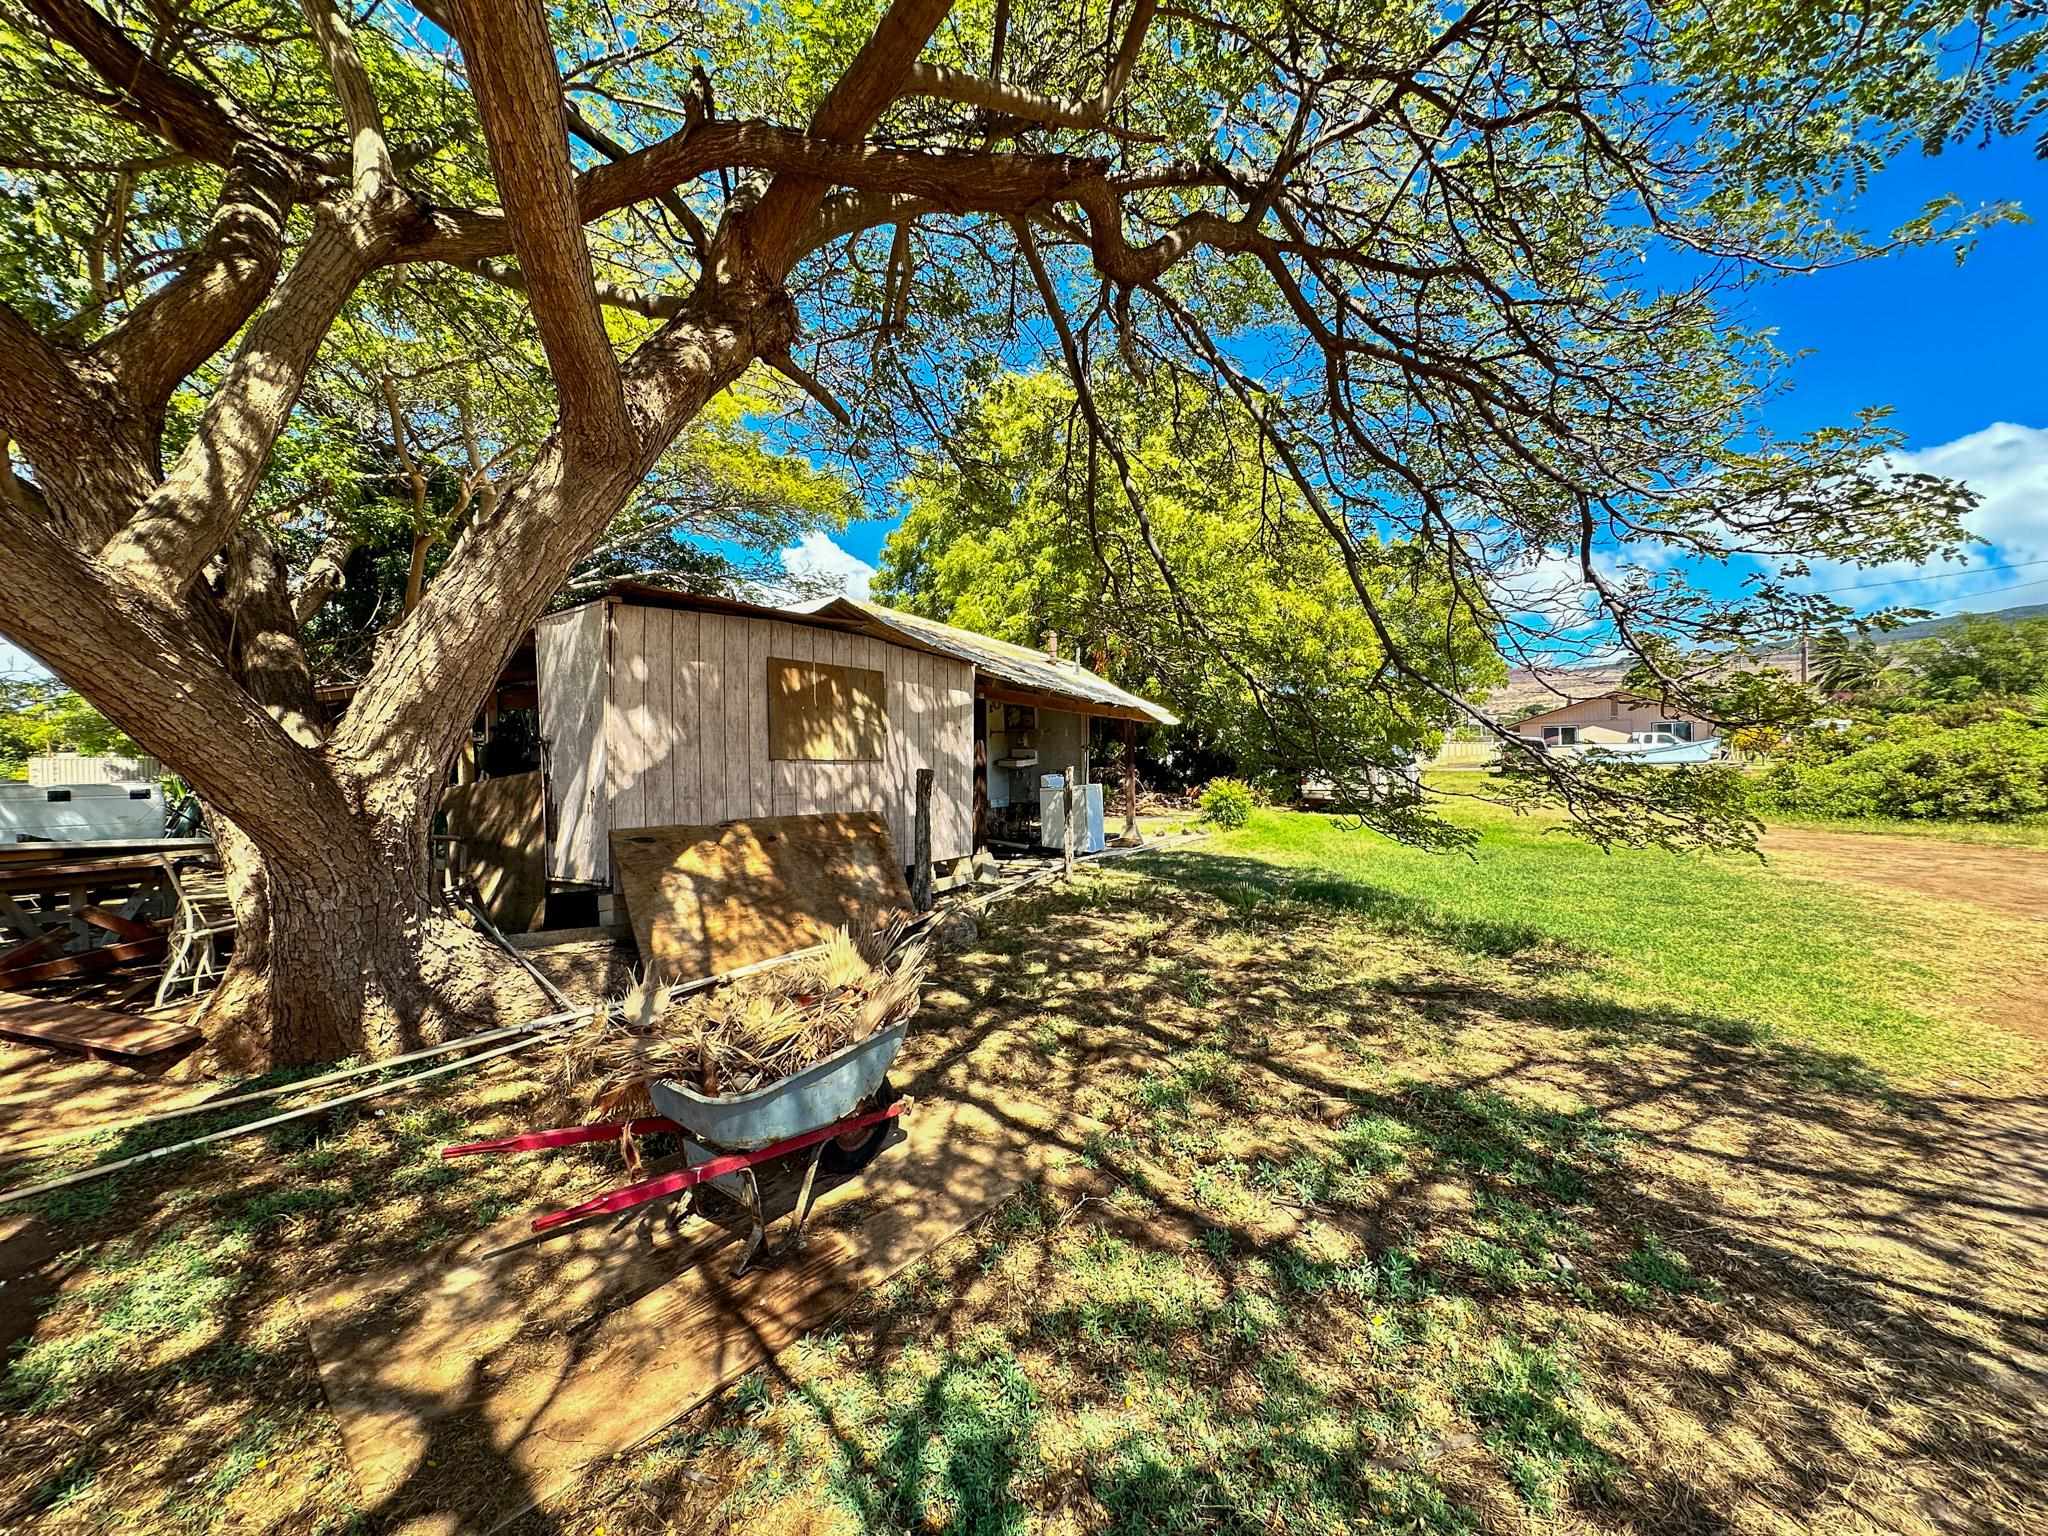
[
  {"x": 921, "y": 845},
  {"x": 1130, "y": 781},
  {"x": 1067, "y": 824}
]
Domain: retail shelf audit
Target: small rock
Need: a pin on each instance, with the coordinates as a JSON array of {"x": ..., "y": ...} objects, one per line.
[{"x": 955, "y": 930}]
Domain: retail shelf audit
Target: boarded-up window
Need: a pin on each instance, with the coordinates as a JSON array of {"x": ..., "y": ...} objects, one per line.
[{"x": 822, "y": 713}]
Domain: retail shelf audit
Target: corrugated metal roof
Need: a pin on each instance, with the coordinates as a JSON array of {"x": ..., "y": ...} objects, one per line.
[{"x": 1015, "y": 664}]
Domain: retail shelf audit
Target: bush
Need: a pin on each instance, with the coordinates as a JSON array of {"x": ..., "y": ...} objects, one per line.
[
  {"x": 1993, "y": 771},
  {"x": 1227, "y": 802}
]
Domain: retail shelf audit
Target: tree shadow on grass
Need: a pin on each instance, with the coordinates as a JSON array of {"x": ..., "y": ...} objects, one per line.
[
  {"x": 1626, "y": 1262},
  {"x": 1244, "y": 884}
]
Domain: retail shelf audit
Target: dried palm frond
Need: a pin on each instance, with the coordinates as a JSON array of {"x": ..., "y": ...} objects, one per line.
[{"x": 747, "y": 1034}]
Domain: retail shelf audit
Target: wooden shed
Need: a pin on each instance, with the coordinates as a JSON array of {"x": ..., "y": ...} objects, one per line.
[{"x": 662, "y": 708}]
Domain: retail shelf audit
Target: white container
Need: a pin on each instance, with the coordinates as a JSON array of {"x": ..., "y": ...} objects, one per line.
[
  {"x": 78, "y": 813},
  {"x": 1052, "y": 822}
]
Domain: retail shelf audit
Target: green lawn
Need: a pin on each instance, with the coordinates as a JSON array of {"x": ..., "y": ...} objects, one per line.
[{"x": 1842, "y": 970}]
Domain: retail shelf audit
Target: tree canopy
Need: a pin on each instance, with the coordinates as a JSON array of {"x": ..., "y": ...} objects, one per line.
[
  {"x": 1014, "y": 531},
  {"x": 1466, "y": 266}
]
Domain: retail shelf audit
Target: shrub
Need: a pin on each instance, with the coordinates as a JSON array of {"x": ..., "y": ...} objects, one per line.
[
  {"x": 1227, "y": 802},
  {"x": 1993, "y": 771}
]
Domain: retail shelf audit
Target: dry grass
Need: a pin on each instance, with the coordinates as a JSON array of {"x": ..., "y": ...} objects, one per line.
[
  {"x": 741, "y": 1037},
  {"x": 1405, "y": 1235}
]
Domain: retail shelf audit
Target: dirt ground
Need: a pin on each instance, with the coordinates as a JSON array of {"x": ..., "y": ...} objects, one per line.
[{"x": 2010, "y": 884}]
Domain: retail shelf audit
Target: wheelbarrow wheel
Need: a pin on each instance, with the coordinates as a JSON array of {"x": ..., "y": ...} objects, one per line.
[{"x": 853, "y": 1151}]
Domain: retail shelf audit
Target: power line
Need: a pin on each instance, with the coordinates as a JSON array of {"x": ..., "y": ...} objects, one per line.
[{"x": 1901, "y": 581}]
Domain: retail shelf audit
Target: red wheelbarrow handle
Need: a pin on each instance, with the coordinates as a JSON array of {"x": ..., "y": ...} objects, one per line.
[
  {"x": 565, "y": 1136},
  {"x": 687, "y": 1178}
]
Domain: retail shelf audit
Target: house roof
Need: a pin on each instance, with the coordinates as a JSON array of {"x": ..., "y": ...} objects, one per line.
[
  {"x": 1623, "y": 694},
  {"x": 1017, "y": 665}
]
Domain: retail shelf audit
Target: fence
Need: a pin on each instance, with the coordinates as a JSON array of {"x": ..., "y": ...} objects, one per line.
[
  {"x": 1464, "y": 754},
  {"x": 49, "y": 768}
]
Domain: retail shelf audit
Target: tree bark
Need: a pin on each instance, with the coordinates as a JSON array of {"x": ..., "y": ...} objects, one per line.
[{"x": 338, "y": 952}]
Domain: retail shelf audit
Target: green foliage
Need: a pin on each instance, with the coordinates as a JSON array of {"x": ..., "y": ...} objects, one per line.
[
  {"x": 1983, "y": 658},
  {"x": 1245, "y": 622},
  {"x": 1916, "y": 769},
  {"x": 41, "y": 715},
  {"x": 1227, "y": 803}
]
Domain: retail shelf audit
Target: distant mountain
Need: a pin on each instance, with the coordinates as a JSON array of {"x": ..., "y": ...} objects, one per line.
[
  {"x": 1550, "y": 686},
  {"x": 1926, "y": 627}
]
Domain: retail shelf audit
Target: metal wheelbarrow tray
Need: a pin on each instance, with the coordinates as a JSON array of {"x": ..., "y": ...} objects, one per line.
[{"x": 835, "y": 1107}]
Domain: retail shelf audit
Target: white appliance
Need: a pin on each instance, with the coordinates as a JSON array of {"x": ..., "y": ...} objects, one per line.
[
  {"x": 1052, "y": 824},
  {"x": 77, "y": 813}
]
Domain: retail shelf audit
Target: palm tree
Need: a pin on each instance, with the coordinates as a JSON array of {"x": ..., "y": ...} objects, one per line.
[{"x": 1846, "y": 666}]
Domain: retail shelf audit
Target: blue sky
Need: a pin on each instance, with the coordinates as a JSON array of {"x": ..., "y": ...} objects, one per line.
[{"x": 1960, "y": 353}]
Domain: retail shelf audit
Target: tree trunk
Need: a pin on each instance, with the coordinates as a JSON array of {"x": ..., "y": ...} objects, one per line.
[{"x": 340, "y": 952}]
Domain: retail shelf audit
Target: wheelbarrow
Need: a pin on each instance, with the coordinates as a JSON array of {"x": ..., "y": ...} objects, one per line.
[{"x": 838, "y": 1110}]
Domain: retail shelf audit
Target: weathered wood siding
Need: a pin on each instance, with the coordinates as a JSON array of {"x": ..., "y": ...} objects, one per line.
[
  {"x": 686, "y": 734},
  {"x": 569, "y": 653}
]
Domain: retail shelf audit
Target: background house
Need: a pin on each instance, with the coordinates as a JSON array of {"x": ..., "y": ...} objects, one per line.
[{"x": 1610, "y": 717}]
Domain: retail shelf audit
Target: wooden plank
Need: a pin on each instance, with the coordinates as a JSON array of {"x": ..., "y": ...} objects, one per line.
[
  {"x": 501, "y": 847},
  {"x": 627, "y": 747},
  {"x": 470, "y": 1390},
  {"x": 40, "y": 947},
  {"x": 80, "y": 1027},
  {"x": 93, "y": 872},
  {"x": 711, "y": 714},
  {"x": 569, "y": 657},
  {"x": 739, "y": 702},
  {"x": 708, "y": 898},
  {"x": 657, "y": 686},
  {"x": 128, "y": 927},
  {"x": 760, "y": 777},
  {"x": 686, "y": 699},
  {"x": 87, "y": 961}
]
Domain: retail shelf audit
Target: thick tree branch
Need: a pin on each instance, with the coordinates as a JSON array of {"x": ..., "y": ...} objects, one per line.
[
  {"x": 370, "y": 171},
  {"x": 772, "y": 232},
  {"x": 189, "y": 517},
  {"x": 220, "y": 285},
  {"x": 158, "y": 678},
  {"x": 512, "y": 70},
  {"x": 158, "y": 100}
]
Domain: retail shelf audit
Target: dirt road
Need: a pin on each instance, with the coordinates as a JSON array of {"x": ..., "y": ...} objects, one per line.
[{"x": 2010, "y": 884}]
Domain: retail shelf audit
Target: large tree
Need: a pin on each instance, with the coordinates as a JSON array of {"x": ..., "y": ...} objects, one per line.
[
  {"x": 1462, "y": 262},
  {"x": 1013, "y": 529}
]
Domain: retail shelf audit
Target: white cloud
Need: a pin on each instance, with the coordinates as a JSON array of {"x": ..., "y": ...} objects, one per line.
[
  {"x": 814, "y": 561},
  {"x": 2007, "y": 466}
]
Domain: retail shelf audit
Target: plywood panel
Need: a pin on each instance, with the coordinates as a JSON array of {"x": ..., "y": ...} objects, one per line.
[
  {"x": 825, "y": 712},
  {"x": 705, "y": 899},
  {"x": 569, "y": 653},
  {"x": 500, "y": 847}
]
